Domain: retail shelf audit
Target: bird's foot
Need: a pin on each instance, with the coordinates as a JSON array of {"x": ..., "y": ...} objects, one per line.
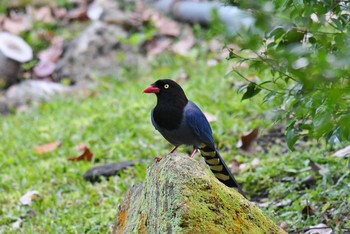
[
  {"x": 158, "y": 159},
  {"x": 193, "y": 153}
]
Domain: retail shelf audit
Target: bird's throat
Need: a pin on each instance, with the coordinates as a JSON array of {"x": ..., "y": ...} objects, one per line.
[{"x": 167, "y": 117}]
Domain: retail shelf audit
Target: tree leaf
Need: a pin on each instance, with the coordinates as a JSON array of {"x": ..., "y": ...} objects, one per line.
[
  {"x": 291, "y": 138},
  {"x": 252, "y": 90}
]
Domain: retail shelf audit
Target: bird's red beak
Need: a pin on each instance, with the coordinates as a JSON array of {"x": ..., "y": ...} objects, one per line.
[{"x": 151, "y": 89}]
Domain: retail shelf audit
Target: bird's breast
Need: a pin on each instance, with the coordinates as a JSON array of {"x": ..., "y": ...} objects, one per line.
[{"x": 167, "y": 118}]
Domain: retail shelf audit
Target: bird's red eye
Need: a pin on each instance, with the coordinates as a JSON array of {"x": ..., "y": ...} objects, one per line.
[{"x": 166, "y": 86}]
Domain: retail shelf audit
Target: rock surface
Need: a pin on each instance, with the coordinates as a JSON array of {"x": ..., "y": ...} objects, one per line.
[
  {"x": 30, "y": 91},
  {"x": 180, "y": 195},
  {"x": 96, "y": 52}
]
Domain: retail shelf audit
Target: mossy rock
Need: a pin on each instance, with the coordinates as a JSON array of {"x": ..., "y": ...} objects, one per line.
[{"x": 180, "y": 195}]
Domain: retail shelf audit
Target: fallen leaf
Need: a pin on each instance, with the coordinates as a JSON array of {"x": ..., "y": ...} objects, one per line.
[
  {"x": 16, "y": 26},
  {"x": 342, "y": 152},
  {"x": 53, "y": 52},
  {"x": 44, "y": 68},
  {"x": 85, "y": 155},
  {"x": 80, "y": 147},
  {"x": 29, "y": 197},
  {"x": 59, "y": 12},
  {"x": 43, "y": 14},
  {"x": 307, "y": 211},
  {"x": 166, "y": 26},
  {"x": 246, "y": 140},
  {"x": 41, "y": 149},
  {"x": 319, "y": 229}
]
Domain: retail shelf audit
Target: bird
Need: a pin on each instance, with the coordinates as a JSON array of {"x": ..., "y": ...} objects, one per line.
[{"x": 181, "y": 122}]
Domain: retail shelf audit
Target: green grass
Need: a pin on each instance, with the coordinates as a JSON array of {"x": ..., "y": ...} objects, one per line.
[{"x": 113, "y": 119}]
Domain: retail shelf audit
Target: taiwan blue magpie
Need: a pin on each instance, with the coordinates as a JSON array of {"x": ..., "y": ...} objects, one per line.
[{"x": 181, "y": 122}]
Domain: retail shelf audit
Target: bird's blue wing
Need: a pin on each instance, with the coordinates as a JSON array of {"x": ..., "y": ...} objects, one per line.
[{"x": 198, "y": 123}]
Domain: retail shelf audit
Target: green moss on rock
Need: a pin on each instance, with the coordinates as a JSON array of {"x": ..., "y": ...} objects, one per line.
[{"x": 180, "y": 195}]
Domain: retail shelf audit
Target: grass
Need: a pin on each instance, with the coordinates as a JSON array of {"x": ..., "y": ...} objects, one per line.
[{"x": 113, "y": 119}]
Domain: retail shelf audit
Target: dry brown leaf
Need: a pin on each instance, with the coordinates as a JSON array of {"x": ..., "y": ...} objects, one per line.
[
  {"x": 246, "y": 140},
  {"x": 59, "y": 13},
  {"x": 86, "y": 154},
  {"x": 44, "y": 68},
  {"x": 41, "y": 149},
  {"x": 53, "y": 52},
  {"x": 43, "y": 14},
  {"x": 16, "y": 26},
  {"x": 166, "y": 26},
  {"x": 48, "y": 58}
]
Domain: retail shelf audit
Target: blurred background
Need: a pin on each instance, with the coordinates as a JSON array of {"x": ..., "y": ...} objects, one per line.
[{"x": 271, "y": 76}]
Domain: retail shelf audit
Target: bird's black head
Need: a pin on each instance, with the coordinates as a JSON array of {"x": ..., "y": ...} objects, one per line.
[
  {"x": 171, "y": 101},
  {"x": 168, "y": 92}
]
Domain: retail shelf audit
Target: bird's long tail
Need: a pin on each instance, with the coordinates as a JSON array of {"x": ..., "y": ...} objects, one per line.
[{"x": 218, "y": 166}]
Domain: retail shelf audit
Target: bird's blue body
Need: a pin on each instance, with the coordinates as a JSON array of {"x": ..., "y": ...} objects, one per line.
[
  {"x": 194, "y": 128},
  {"x": 181, "y": 122}
]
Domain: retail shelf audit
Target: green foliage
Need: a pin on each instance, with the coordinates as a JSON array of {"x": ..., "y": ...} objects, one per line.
[
  {"x": 65, "y": 3},
  {"x": 299, "y": 51},
  {"x": 3, "y": 6}
]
